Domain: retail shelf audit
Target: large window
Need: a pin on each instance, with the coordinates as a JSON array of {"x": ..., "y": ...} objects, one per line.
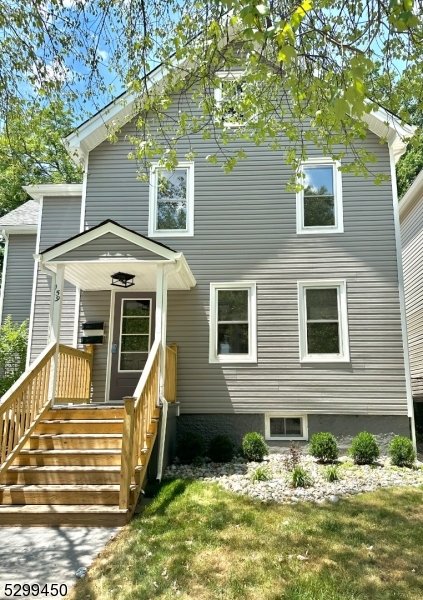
[
  {"x": 172, "y": 201},
  {"x": 319, "y": 203},
  {"x": 323, "y": 321},
  {"x": 233, "y": 335}
]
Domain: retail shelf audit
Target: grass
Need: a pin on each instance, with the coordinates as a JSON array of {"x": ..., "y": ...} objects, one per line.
[{"x": 196, "y": 541}]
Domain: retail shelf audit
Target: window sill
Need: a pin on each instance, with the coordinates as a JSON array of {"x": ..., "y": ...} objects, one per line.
[
  {"x": 232, "y": 360},
  {"x": 286, "y": 439},
  {"x": 327, "y": 358},
  {"x": 170, "y": 233},
  {"x": 319, "y": 231}
]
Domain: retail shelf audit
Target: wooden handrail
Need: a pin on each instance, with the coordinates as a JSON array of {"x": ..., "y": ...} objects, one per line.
[
  {"x": 74, "y": 374},
  {"x": 171, "y": 373},
  {"x": 140, "y": 411},
  {"x": 23, "y": 405}
]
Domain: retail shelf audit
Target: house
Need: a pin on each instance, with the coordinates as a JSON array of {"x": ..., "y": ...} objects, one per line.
[
  {"x": 411, "y": 212},
  {"x": 281, "y": 313}
]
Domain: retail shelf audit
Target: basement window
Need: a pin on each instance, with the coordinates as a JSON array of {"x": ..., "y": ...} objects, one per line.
[{"x": 285, "y": 427}]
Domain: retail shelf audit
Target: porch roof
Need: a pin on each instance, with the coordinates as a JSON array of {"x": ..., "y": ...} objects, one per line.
[{"x": 89, "y": 262}]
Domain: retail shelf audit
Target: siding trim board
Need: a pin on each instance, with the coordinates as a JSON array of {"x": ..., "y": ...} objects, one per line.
[
  {"x": 3, "y": 275},
  {"x": 402, "y": 296}
]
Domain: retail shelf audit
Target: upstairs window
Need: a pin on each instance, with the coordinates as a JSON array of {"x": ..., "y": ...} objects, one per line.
[
  {"x": 233, "y": 322},
  {"x": 323, "y": 321},
  {"x": 172, "y": 201},
  {"x": 228, "y": 97},
  {"x": 319, "y": 204}
]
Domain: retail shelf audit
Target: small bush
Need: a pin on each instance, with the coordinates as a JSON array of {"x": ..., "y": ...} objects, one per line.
[
  {"x": 261, "y": 474},
  {"x": 254, "y": 447},
  {"x": 299, "y": 477},
  {"x": 331, "y": 473},
  {"x": 364, "y": 449},
  {"x": 221, "y": 449},
  {"x": 293, "y": 457},
  {"x": 13, "y": 346},
  {"x": 324, "y": 447},
  {"x": 189, "y": 447},
  {"x": 401, "y": 452}
]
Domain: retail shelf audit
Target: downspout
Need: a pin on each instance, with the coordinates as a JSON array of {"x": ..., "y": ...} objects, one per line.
[
  {"x": 410, "y": 405},
  {"x": 165, "y": 403}
]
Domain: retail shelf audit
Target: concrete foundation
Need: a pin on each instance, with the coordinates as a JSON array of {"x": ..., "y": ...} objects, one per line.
[{"x": 343, "y": 427}]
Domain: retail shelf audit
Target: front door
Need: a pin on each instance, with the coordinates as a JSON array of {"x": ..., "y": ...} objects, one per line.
[{"x": 133, "y": 330}]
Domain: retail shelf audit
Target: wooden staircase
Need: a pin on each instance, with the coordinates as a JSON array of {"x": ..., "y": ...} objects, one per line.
[{"x": 69, "y": 471}]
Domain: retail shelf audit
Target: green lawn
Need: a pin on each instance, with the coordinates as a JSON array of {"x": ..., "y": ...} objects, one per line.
[{"x": 197, "y": 541}]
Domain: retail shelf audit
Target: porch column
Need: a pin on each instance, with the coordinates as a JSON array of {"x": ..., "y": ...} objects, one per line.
[
  {"x": 55, "y": 321},
  {"x": 161, "y": 323}
]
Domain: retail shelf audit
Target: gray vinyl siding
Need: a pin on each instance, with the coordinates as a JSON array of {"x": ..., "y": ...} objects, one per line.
[
  {"x": 19, "y": 277},
  {"x": 60, "y": 220},
  {"x": 412, "y": 258},
  {"x": 108, "y": 246},
  {"x": 245, "y": 229},
  {"x": 95, "y": 306}
]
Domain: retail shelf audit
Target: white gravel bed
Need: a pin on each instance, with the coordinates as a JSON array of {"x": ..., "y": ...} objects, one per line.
[{"x": 236, "y": 477}]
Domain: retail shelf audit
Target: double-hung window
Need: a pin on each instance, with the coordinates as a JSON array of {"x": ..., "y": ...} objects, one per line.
[
  {"x": 319, "y": 203},
  {"x": 233, "y": 336},
  {"x": 172, "y": 201},
  {"x": 228, "y": 97},
  {"x": 323, "y": 321}
]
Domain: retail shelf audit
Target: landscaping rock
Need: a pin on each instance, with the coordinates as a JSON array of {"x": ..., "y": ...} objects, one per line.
[{"x": 236, "y": 477}]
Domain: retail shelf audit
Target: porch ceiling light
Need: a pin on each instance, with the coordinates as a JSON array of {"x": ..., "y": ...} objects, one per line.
[{"x": 124, "y": 280}]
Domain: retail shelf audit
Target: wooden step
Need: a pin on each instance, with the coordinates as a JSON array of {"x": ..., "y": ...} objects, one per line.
[
  {"x": 76, "y": 475},
  {"x": 74, "y": 441},
  {"x": 71, "y": 413},
  {"x": 79, "y": 426},
  {"x": 95, "y": 458},
  {"x": 61, "y": 494},
  {"x": 56, "y": 515}
]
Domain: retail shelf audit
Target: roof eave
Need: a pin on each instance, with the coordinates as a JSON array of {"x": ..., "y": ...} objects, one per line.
[
  {"x": 411, "y": 196},
  {"x": 37, "y": 192}
]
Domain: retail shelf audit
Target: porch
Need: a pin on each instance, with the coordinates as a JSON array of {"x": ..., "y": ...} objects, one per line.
[{"x": 85, "y": 463}]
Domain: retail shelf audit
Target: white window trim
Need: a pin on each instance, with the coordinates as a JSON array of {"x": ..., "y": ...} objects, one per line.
[
  {"x": 251, "y": 357},
  {"x": 338, "y": 203},
  {"x": 152, "y": 212},
  {"x": 344, "y": 355},
  {"x": 278, "y": 415},
  {"x": 228, "y": 75}
]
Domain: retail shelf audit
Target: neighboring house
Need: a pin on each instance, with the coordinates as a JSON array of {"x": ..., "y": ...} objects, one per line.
[
  {"x": 411, "y": 217},
  {"x": 286, "y": 308}
]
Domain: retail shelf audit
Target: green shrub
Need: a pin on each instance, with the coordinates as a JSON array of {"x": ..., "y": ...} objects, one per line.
[
  {"x": 401, "y": 452},
  {"x": 364, "y": 449},
  {"x": 13, "y": 346},
  {"x": 221, "y": 449},
  {"x": 189, "y": 447},
  {"x": 261, "y": 474},
  {"x": 331, "y": 473},
  {"x": 254, "y": 447},
  {"x": 299, "y": 477},
  {"x": 324, "y": 447}
]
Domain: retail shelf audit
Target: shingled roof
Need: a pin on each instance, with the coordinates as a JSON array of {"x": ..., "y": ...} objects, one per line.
[{"x": 26, "y": 214}]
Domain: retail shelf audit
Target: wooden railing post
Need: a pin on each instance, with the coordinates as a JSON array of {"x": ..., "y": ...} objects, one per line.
[
  {"x": 90, "y": 350},
  {"x": 127, "y": 449}
]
